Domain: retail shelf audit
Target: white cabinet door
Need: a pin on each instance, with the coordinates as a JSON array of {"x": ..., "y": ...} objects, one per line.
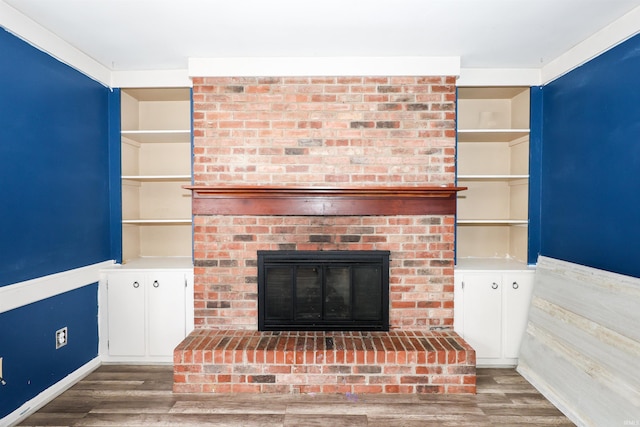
[
  {"x": 146, "y": 314},
  {"x": 517, "y": 297},
  {"x": 491, "y": 311},
  {"x": 126, "y": 317},
  {"x": 483, "y": 313},
  {"x": 166, "y": 312}
]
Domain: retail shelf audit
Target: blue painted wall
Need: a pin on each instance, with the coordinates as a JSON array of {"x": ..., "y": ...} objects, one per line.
[
  {"x": 53, "y": 165},
  {"x": 590, "y": 210},
  {"x": 54, "y": 212},
  {"x": 535, "y": 173},
  {"x": 31, "y": 363}
]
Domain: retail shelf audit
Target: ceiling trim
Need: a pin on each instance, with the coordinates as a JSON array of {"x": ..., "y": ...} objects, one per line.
[
  {"x": 617, "y": 32},
  {"x": 499, "y": 77},
  {"x": 151, "y": 78},
  {"x": 28, "y": 30},
  {"x": 325, "y": 66},
  {"x": 46, "y": 41}
]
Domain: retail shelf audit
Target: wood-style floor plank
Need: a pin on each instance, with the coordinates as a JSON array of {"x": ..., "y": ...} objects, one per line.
[{"x": 134, "y": 395}]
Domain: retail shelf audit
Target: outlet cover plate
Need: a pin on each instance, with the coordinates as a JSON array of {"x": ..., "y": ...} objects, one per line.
[{"x": 61, "y": 337}]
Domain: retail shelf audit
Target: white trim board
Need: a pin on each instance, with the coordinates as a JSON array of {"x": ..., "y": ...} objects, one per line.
[
  {"x": 33, "y": 33},
  {"x": 499, "y": 77},
  {"x": 605, "y": 39},
  {"x": 325, "y": 66},
  {"x": 34, "y": 290},
  {"x": 151, "y": 78}
]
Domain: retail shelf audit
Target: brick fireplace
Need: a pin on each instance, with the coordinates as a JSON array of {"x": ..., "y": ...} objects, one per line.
[{"x": 383, "y": 144}]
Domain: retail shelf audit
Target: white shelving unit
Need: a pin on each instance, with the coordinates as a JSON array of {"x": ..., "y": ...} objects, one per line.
[
  {"x": 493, "y": 162},
  {"x": 493, "y": 284},
  {"x": 146, "y": 304},
  {"x": 156, "y": 163}
]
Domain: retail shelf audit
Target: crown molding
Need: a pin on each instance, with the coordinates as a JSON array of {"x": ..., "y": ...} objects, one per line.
[
  {"x": 42, "y": 39},
  {"x": 613, "y": 34}
]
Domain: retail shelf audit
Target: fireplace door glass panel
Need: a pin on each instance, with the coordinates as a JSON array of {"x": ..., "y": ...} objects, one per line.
[
  {"x": 367, "y": 293},
  {"x": 278, "y": 293},
  {"x": 308, "y": 293},
  {"x": 337, "y": 298}
]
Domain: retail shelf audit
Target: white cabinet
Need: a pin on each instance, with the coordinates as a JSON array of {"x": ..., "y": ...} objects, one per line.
[
  {"x": 156, "y": 163},
  {"x": 149, "y": 312},
  {"x": 491, "y": 309},
  {"x": 146, "y": 304},
  {"x": 127, "y": 295},
  {"x": 516, "y": 294},
  {"x": 493, "y": 162}
]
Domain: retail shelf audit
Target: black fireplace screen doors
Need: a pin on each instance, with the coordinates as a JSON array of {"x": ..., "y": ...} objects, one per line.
[{"x": 323, "y": 290}]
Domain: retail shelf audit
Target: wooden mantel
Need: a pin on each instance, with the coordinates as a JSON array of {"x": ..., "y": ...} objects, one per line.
[{"x": 319, "y": 201}]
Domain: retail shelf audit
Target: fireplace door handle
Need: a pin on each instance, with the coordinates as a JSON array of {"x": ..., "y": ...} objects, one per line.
[
  {"x": 515, "y": 285},
  {"x": 136, "y": 285},
  {"x": 494, "y": 285},
  {"x": 156, "y": 284}
]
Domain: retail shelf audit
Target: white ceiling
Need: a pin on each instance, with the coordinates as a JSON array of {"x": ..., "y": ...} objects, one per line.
[{"x": 125, "y": 35}]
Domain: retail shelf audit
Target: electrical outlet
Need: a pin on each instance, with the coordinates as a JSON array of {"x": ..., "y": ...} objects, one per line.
[
  {"x": 2, "y": 381},
  {"x": 61, "y": 337}
]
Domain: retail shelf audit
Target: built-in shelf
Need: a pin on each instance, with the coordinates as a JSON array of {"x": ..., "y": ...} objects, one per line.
[
  {"x": 154, "y": 178},
  {"x": 156, "y": 263},
  {"x": 493, "y": 161},
  {"x": 491, "y": 264},
  {"x": 491, "y": 135},
  {"x": 156, "y": 163},
  {"x": 158, "y": 136},
  {"x": 492, "y": 221},
  {"x": 491, "y": 177},
  {"x": 156, "y": 221}
]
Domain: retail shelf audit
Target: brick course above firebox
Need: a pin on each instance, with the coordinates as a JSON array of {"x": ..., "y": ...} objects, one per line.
[{"x": 324, "y": 131}]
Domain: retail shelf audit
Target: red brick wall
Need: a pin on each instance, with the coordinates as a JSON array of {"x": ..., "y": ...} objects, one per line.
[
  {"x": 331, "y": 131},
  {"x": 241, "y": 361}
]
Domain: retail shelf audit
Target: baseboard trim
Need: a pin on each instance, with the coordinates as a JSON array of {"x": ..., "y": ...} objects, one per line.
[{"x": 49, "y": 394}]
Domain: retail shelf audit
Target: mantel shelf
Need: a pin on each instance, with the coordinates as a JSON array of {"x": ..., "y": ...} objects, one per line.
[{"x": 319, "y": 201}]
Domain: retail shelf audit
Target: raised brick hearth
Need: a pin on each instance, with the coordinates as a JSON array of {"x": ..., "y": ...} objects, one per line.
[
  {"x": 305, "y": 133},
  {"x": 232, "y": 361}
]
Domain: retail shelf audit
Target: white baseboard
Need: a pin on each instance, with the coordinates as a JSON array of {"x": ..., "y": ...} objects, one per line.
[{"x": 49, "y": 394}]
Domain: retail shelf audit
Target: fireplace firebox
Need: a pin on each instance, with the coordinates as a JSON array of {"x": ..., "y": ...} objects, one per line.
[{"x": 323, "y": 290}]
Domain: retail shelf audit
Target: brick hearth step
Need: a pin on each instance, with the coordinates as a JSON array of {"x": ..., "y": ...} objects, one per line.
[{"x": 245, "y": 361}]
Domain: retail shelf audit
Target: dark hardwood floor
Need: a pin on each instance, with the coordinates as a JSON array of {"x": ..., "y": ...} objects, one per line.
[{"x": 132, "y": 395}]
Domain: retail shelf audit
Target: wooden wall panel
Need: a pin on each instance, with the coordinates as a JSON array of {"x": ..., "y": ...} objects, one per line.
[{"x": 582, "y": 344}]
